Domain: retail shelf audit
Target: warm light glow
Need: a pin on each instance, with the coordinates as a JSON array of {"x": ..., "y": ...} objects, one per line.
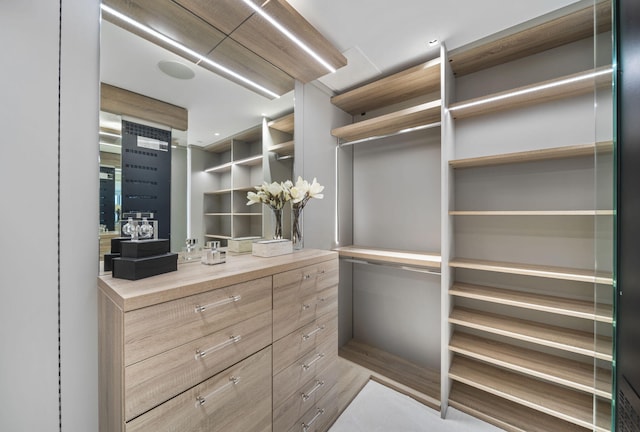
[
  {"x": 109, "y": 134},
  {"x": 532, "y": 89},
  {"x": 198, "y": 57},
  {"x": 290, "y": 35}
]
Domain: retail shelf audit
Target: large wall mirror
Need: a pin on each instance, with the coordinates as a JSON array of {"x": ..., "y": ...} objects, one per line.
[{"x": 217, "y": 108}]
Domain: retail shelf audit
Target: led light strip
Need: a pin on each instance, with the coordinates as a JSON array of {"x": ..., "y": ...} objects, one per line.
[
  {"x": 532, "y": 89},
  {"x": 186, "y": 50},
  {"x": 290, "y": 35}
]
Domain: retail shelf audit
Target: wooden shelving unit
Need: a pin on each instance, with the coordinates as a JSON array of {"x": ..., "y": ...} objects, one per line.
[
  {"x": 568, "y": 405},
  {"x": 420, "y": 383},
  {"x": 551, "y": 368},
  {"x": 284, "y": 146},
  {"x": 531, "y": 212},
  {"x": 390, "y": 256}
]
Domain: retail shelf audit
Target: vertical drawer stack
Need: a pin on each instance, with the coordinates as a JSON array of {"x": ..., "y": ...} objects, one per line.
[{"x": 305, "y": 348}]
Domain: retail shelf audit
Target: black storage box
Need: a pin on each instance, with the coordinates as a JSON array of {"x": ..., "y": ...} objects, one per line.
[
  {"x": 115, "y": 244},
  {"x": 144, "y": 248},
  {"x": 139, "y": 268},
  {"x": 108, "y": 257}
]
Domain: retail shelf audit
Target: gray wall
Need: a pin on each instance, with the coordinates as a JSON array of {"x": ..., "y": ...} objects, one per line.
[{"x": 49, "y": 172}]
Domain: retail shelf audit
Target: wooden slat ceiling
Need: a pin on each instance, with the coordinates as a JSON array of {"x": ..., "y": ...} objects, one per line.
[{"x": 230, "y": 33}]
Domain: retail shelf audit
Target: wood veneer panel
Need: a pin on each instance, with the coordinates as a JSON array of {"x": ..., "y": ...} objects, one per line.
[
  {"x": 283, "y": 124},
  {"x": 581, "y": 150},
  {"x": 569, "y": 373},
  {"x": 392, "y": 256},
  {"x": 537, "y": 38},
  {"x": 503, "y": 413},
  {"x": 225, "y": 15},
  {"x": 576, "y": 341},
  {"x": 413, "y": 82},
  {"x": 546, "y": 91},
  {"x": 568, "y": 405},
  {"x": 111, "y": 364},
  {"x": 527, "y": 300},
  {"x": 283, "y": 149},
  {"x": 418, "y": 382},
  {"x": 407, "y": 118},
  {"x": 531, "y": 212},
  {"x": 552, "y": 272}
]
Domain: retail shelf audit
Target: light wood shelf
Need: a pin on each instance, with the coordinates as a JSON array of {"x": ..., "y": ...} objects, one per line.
[
  {"x": 419, "y": 80},
  {"x": 545, "y": 303},
  {"x": 283, "y": 149},
  {"x": 576, "y": 341},
  {"x": 283, "y": 124},
  {"x": 505, "y": 414},
  {"x": 564, "y": 152},
  {"x": 558, "y": 370},
  {"x": 546, "y": 91},
  {"x": 225, "y": 167},
  {"x": 574, "y": 407},
  {"x": 420, "y": 115},
  {"x": 531, "y": 213},
  {"x": 391, "y": 256},
  {"x": 552, "y": 272},
  {"x": 420, "y": 383},
  {"x": 541, "y": 35},
  {"x": 250, "y": 161},
  {"x": 218, "y": 236},
  {"x": 218, "y": 214}
]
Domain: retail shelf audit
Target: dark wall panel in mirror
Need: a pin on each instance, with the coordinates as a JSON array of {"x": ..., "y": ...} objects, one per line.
[
  {"x": 146, "y": 173},
  {"x": 107, "y": 197}
]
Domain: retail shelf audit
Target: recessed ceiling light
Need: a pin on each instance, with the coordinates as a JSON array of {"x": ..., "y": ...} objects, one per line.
[
  {"x": 433, "y": 42},
  {"x": 176, "y": 69}
]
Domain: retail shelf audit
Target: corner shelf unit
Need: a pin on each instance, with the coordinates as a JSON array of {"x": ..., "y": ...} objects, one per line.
[
  {"x": 530, "y": 345},
  {"x": 283, "y": 146}
]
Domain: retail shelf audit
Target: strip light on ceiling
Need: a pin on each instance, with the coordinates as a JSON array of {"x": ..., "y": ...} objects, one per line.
[
  {"x": 290, "y": 35},
  {"x": 188, "y": 51},
  {"x": 532, "y": 89}
]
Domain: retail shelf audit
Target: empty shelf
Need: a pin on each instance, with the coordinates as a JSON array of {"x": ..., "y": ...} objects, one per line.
[
  {"x": 283, "y": 149},
  {"x": 531, "y": 212},
  {"x": 408, "y": 258}
]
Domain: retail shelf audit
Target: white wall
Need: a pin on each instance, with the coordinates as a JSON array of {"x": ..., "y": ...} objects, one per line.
[{"x": 48, "y": 171}]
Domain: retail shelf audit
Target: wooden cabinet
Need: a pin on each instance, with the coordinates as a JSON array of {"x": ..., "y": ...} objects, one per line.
[{"x": 194, "y": 350}]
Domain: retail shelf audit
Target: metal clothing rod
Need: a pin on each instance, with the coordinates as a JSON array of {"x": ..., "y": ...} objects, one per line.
[
  {"x": 403, "y": 131},
  {"x": 398, "y": 266}
]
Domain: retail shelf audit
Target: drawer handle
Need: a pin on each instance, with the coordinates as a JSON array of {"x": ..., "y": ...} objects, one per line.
[
  {"x": 322, "y": 271},
  {"x": 306, "y": 366},
  {"x": 203, "y": 353},
  {"x": 311, "y": 333},
  {"x": 307, "y": 276},
  {"x": 201, "y": 400},
  {"x": 307, "y": 395},
  {"x": 305, "y": 306},
  {"x": 231, "y": 299},
  {"x": 306, "y": 426}
]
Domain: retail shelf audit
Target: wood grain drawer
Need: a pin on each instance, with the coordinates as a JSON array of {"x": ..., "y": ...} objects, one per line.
[
  {"x": 288, "y": 413},
  {"x": 152, "y": 381},
  {"x": 294, "y": 345},
  {"x": 291, "y": 379},
  {"x": 299, "y": 311},
  {"x": 298, "y": 282},
  {"x": 238, "y": 399},
  {"x": 155, "y": 329},
  {"x": 319, "y": 417}
]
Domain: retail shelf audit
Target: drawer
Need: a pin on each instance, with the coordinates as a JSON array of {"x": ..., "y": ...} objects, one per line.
[
  {"x": 291, "y": 379},
  {"x": 152, "y": 381},
  {"x": 320, "y": 416},
  {"x": 291, "y": 347},
  {"x": 299, "y": 283},
  {"x": 155, "y": 329},
  {"x": 288, "y": 413},
  {"x": 238, "y": 399}
]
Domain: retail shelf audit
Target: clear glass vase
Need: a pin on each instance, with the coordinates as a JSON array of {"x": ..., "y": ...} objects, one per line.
[
  {"x": 277, "y": 224},
  {"x": 296, "y": 227}
]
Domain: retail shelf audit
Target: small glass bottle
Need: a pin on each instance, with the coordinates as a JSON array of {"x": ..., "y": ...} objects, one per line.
[{"x": 213, "y": 255}]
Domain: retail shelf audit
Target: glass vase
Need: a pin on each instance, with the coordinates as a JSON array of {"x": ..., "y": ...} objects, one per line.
[
  {"x": 277, "y": 225},
  {"x": 296, "y": 228}
]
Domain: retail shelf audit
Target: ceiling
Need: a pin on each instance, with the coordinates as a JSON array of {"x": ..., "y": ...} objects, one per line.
[{"x": 376, "y": 36}]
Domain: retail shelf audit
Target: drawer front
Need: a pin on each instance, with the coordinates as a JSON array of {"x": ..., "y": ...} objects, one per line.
[
  {"x": 238, "y": 399},
  {"x": 291, "y": 411},
  {"x": 152, "y": 381},
  {"x": 292, "y": 378},
  {"x": 155, "y": 329},
  {"x": 320, "y": 416},
  {"x": 291, "y": 347},
  {"x": 300, "y": 282}
]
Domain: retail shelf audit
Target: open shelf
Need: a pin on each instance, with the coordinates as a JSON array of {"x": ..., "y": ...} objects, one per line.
[
  {"x": 531, "y": 212},
  {"x": 558, "y": 370},
  {"x": 569, "y": 405},
  {"x": 420, "y": 115},
  {"x": 250, "y": 161},
  {"x": 546, "y": 91},
  {"x": 576, "y": 341},
  {"x": 226, "y": 167},
  {"x": 283, "y": 149},
  {"x": 535, "y": 155},
  {"x": 552, "y": 272},
  {"x": 416, "y": 81},
  {"x": 545, "y": 303},
  {"x": 550, "y": 32},
  {"x": 283, "y": 124},
  {"x": 420, "y": 383},
  {"x": 503, "y": 413},
  {"x": 391, "y": 256},
  {"x": 218, "y": 236}
]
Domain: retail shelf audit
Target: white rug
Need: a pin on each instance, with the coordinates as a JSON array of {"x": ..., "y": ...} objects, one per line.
[{"x": 378, "y": 408}]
